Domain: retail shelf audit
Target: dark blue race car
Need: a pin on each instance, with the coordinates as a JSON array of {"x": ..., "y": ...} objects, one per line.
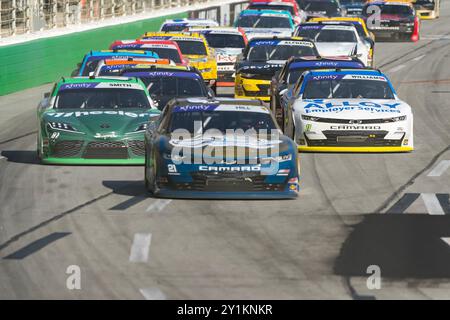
[{"x": 219, "y": 148}]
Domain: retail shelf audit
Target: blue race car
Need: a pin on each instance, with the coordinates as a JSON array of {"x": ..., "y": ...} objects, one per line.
[
  {"x": 219, "y": 148},
  {"x": 91, "y": 60},
  {"x": 284, "y": 81}
]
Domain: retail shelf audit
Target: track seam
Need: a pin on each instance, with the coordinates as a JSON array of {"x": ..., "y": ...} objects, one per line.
[{"x": 411, "y": 180}]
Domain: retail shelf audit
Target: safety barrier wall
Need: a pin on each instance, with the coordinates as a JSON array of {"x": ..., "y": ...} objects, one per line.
[
  {"x": 32, "y": 63},
  {"x": 41, "y": 61}
]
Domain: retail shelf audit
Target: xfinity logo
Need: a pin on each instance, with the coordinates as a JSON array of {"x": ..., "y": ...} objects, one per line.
[{"x": 349, "y": 127}]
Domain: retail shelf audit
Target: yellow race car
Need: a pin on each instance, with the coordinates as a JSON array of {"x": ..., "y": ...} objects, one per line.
[
  {"x": 194, "y": 47},
  {"x": 360, "y": 26},
  {"x": 261, "y": 59}
]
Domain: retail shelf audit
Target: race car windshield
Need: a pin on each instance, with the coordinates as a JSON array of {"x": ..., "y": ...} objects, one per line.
[
  {"x": 347, "y": 89},
  {"x": 332, "y": 35},
  {"x": 221, "y": 120},
  {"x": 348, "y": 2},
  {"x": 192, "y": 47},
  {"x": 307, "y": 32},
  {"x": 278, "y": 52},
  {"x": 105, "y": 98},
  {"x": 404, "y": 11},
  {"x": 328, "y": 8},
  {"x": 256, "y": 6},
  {"x": 294, "y": 74},
  {"x": 216, "y": 40},
  {"x": 180, "y": 87},
  {"x": 263, "y": 22},
  {"x": 173, "y": 27}
]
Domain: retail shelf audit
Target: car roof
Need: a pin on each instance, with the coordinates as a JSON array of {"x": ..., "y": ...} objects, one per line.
[
  {"x": 112, "y": 62},
  {"x": 191, "y": 20},
  {"x": 278, "y": 3},
  {"x": 228, "y": 30},
  {"x": 175, "y": 35},
  {"x": 121, "y": 52},
  {"x": 218, "y": 101},
  {"x": 94, "y": 80},
  {"x": 387, "y": 2},
  {"x": 369, "y": 72},
  {"x": 299, "y": 62},
  {"x": 268, "y": 12}
]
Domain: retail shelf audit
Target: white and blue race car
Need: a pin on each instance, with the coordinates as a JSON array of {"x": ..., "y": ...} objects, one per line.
[
  {"x": 348, "y": 111},
  {"x": 266, "y": 23}
]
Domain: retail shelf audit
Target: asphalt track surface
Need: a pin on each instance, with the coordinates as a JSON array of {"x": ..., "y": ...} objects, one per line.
[{"x": 353, "y": 211}]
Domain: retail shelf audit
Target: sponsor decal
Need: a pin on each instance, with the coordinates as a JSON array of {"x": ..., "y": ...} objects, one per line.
[
  {"x": 351, "y": 127},
  {"x": 266, "y": 66},
  {"x": 332, "y": 64},
  {"x": 310, "y": 27},
  {"x": 78, "y": 114},
  {"x": 365, "y": 77},
  {"x": 70, "y": 86},
  {"x": 239, "y": 169},
  {"x": 318, "y": 105},
  {"x": 326, "y": 77},
  {"x": 193, "y": 108}
]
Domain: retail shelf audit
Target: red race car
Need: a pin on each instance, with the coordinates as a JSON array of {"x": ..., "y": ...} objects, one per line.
[{"x": 165, "y": 49}]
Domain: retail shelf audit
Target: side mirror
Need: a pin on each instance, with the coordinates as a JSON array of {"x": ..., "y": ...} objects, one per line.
[
  {"x": 152, "y": 126},
  {"x": 282, "y": 92},
  {"x": 211, "y": 93},
  {"x": 370, "y": 41},
  {"x": 46, "y": 95},
  {"x": 75, "y": 73}
]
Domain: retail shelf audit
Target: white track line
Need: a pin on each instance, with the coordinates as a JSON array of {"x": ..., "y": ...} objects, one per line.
[
  {"x": 439, "y": 169},
  {"x": 153, "y": 294},
  {"x": 446, "y": 240},
  {"x": 432, "y": 204},
  {"x": 419, "y": 58},
  {"x": 2, "y": 157},
  {"x": 158, "y": 205},
  {"x": 397, "y": 68},
  {"x": 140, "y": 247}
]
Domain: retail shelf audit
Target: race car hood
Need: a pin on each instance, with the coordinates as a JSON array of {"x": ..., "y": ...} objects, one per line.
[
  {"x": 352, "y": 108},
  {"x": 264, "y": 68},
  {"x": 227, "y": 55},
  {"x": 335, "y": 49},
  {"x": 243, "y": 146},
  {"x": 266, "y": 32},
  {"x": 102, "y": 123}
]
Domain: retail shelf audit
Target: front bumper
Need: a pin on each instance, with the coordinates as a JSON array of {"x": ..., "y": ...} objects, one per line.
[
  {"x": 339, "y": 137},
  {"x": 252, "y": 89},
  {"x": 425, "y": 14},
  {"x": 82, "y": 151}
]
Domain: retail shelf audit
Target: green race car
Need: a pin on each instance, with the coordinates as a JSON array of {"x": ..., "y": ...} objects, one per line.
[{"x": 95, "y": 121}]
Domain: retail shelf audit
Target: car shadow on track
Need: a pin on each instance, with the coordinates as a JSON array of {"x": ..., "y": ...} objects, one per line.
[
  {"x": 21, "y": 156},
  {"x": 402, "y": 245},
  {"x": 132, "y": 188}
]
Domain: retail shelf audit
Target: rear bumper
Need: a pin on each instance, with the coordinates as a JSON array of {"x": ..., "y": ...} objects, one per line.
[
  {"x": 426, "y": 14},
  {"x": 252, "y": 89}
]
